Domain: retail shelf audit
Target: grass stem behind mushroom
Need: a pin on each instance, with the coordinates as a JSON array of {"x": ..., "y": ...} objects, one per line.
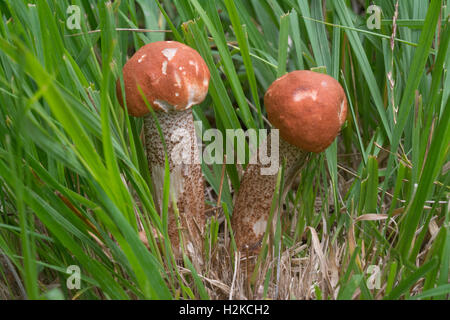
[
  {"x": 309, "y": 109},
  {"x": 173, "y": 77}
]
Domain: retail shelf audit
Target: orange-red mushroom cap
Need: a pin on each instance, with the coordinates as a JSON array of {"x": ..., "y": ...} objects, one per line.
[
  {"x": 308, "y": 108},
  {"x": 172, "y": 76}
]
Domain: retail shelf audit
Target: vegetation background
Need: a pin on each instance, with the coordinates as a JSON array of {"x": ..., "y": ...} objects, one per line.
[{"x": 367, "y": 219}]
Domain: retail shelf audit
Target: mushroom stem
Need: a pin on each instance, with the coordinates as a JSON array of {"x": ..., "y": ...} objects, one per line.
[
  {"x": 309, "y": 109},
  {"x": 254, "y": 199},
  {"x": 186, "y": 181}
]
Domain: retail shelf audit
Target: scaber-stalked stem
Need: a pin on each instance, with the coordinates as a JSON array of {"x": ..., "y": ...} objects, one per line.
[
  {"x": 254, "y": 199},
  {"x": 308, "y": 109},
  {"x": 186, "y": 181},
  {"x": 172, "y": 78}
]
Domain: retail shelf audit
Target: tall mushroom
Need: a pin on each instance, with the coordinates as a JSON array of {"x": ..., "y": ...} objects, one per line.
[
  {"x": 309, "y": 109},
  {"x": 173, "y": 77}
]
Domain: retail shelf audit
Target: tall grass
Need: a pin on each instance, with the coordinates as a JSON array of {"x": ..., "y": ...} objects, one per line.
[{"x": 74, "y": 180}]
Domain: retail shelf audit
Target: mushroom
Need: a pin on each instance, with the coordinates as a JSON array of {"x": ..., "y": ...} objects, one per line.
[
  {"x": 173, "y": 77},
  {"x": 309, "y": 109}
]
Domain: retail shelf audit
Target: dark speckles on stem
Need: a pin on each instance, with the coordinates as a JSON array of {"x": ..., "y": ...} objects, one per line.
[
  {"x": 254, "y": 198},
  {"x": 186, "y": 179}
]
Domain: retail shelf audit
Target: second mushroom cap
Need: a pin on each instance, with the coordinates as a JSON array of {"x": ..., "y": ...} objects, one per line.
[{"x": 308, "y": 108}]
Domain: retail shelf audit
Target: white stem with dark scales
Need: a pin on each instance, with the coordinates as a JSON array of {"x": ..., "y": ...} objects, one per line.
[
  {"x": 186, "y": 180},
  {"x": 254, "y": 199}
]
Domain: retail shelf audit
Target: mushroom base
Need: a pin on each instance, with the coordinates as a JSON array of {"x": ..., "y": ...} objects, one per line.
[
  {"x": 186, "y": 180},
  {"x": 254, "y": 199}
]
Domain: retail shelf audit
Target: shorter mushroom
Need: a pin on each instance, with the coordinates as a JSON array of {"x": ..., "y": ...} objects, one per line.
[
  {"x": 173, "y": 77},
  {"x": 309, "y": 109}
]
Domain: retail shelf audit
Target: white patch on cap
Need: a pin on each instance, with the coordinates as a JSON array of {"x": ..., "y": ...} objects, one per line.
[
  {"x": 205, "y": 82},
  {"x": 169, "y": 53},
  {"x": 324, "y": 83},
  {"x": 195, "y": 64},
  {"x": 191, "y": 91},
  {"x": 300, "y": 95},
  {"x": 178, "y": 80},
  {"x": 176, "y": 94},
  {"x": 180, "y": 68},
  {"x": 142, "y": 58},
  {"x": 196, "y": 94},
  {"x": 164, "y": 67}
]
